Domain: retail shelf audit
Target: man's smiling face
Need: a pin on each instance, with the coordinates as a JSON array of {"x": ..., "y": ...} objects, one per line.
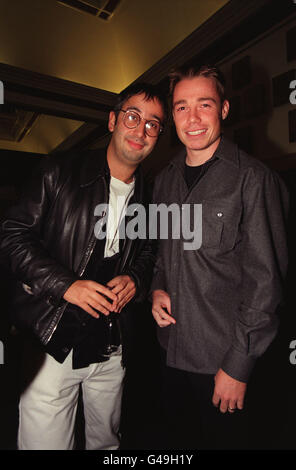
[
  {"x": 131, "y": 146},
  {"x": 197, "y": 113}
]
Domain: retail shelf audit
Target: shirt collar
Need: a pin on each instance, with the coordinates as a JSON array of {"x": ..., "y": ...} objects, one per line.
[
  {"x": 96, "y": 166},
  {"x": 226, "y": 151}
]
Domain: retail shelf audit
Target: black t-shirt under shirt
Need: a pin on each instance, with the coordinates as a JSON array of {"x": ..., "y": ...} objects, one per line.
[{"x": 193, "y": 174}]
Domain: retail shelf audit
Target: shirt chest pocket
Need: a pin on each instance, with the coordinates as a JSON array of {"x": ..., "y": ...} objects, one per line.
[{"x": 220, "y": 224}]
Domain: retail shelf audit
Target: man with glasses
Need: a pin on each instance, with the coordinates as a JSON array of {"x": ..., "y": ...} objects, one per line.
[{"x": 76, "y": 276}]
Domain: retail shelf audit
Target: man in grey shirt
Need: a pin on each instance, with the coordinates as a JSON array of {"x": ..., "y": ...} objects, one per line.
[{"x": 216, "y": 306}]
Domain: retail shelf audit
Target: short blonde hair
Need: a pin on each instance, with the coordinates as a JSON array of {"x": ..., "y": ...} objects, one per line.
[{"x": 208, "y": 71}]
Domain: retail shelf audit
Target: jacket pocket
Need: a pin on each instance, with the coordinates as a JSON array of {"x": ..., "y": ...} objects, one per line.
[{"x": 220, "y": 224}]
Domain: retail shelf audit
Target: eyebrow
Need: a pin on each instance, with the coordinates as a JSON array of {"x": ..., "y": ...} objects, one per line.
[
  {"x": 134, "y": 108},
  {"x": 199, "y": 100},
  {"x": 207, "y": 99}
]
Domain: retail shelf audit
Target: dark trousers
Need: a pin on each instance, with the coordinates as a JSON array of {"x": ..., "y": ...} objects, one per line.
[{"x": 191, "y": 421}]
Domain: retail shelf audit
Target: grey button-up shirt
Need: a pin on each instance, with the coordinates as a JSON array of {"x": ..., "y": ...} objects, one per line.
[{"x": 225, "y": 296}]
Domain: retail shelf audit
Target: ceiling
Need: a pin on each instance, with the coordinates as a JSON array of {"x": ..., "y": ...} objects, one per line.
[
  {"x": 55, "y": 40},
  {"x": 50, "y": 38},
  {"x": 62, "y": 68}
]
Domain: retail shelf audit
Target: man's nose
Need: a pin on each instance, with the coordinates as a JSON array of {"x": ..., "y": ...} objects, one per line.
[
  {"x": 140, "y": 130},
  {"x": 194, "y": 115}
]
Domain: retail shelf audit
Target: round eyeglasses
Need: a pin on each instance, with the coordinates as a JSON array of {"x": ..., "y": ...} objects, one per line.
[{"x": 132, "y": 120}]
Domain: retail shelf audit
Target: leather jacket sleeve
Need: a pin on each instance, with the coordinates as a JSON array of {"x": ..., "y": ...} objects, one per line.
[
  {"x": 142, "y": 267},
  {"x": 139, "y": 254},
  {"x": 22, "y": 235}
]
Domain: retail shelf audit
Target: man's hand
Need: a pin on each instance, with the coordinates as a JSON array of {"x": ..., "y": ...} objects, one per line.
[
  {"x": 228, "y": 392},
  {"x": 90, "y": 295},
  {"x": 161, "y": 308},
  {"x": 125, "y": 289}
]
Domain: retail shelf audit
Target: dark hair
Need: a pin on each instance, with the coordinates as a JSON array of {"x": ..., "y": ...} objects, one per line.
[
  {"x": 208, "y": 71},
  {"x": 151, "y": 92}
]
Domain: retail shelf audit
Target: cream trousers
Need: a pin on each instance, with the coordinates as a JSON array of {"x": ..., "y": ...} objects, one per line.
[{"x": 48, "y": 405}]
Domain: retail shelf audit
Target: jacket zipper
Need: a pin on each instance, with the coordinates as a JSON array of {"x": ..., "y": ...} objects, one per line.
[
  {"x": 122, "y": 264},
  {"x": 86, "y": 258}
]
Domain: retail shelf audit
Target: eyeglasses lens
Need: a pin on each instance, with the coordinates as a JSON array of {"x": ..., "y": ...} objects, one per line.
[{"x": 132, "y": 120}]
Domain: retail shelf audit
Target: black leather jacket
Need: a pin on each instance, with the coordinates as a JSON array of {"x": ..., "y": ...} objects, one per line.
[{"x": 48, "y": 237}]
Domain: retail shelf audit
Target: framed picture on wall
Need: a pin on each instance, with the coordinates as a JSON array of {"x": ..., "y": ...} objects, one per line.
[
  {"x": 243, "y": 137},
  {"x": 291, "y": 42},
  {"x": 281, "y": 87},
  {"x": 241, "y": 73},
  {"x": 254, "y": 101},
  {"x": 292, "y": 125},
  {"x": 234, "y": 114}
]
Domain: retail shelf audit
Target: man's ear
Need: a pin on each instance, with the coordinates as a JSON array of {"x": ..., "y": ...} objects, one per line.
[
  {"x": 112, "y": 121},
  {"x": 225, "y": 109}
]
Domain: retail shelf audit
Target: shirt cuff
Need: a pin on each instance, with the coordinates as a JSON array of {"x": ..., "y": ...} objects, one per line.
[
  {"x": 238, "y": 365},
  {"x": 158, "y": 282}
]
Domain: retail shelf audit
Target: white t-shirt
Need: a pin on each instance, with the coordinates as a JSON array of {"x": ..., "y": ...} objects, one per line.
[{"x": 120, "y": 194}]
